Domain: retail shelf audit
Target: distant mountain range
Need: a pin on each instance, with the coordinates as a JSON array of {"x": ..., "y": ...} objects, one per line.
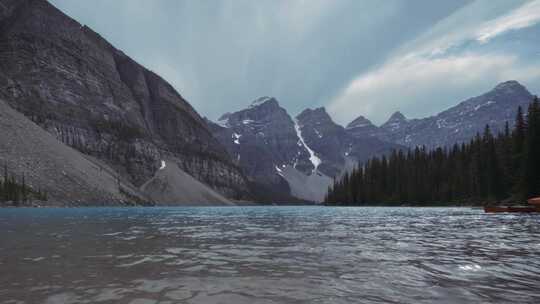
[
  {"x": 301, "y": 156},
  {"x": 88, "y": 125},
  {"x": 455, "y": 125},
  {"x": 286, "y": 156}
]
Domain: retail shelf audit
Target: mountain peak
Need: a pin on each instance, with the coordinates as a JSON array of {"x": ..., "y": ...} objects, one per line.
[
  {"x": 360, "y": 122},
  {"x": 318, "y": 114},
  {"x": 310, "y": 111},
  {"x": 265, "y": 100},
  {"x": 509, "y": 87},
  {"x": 396, "y": 121},
  {"x": 397, "y": 116},
  {"x": 507, "y": 84}
]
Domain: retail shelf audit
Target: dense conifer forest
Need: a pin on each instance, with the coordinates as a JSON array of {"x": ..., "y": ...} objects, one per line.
[
  {"x": 489, "y": 168},
  {"x": 17, "y": 191}
]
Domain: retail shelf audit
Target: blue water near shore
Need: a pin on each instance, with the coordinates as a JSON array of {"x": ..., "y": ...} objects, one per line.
[{"x": 268, "y": 255}]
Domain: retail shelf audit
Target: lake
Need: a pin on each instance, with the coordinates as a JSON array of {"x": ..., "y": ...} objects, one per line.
[{"x": 268, "y": 255}]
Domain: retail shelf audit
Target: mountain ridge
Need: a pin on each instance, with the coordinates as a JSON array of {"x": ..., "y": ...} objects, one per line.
[
  {"x": 299, "y": 156},
  {"x": 458, "y": 123},
  {"x": 93, "y": 97}
]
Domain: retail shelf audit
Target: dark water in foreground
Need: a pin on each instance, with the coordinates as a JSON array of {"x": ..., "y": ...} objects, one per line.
[{"x": 268, "y": 255}]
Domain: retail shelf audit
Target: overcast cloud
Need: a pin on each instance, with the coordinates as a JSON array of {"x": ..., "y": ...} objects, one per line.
[{"x": 355, "y": 57}]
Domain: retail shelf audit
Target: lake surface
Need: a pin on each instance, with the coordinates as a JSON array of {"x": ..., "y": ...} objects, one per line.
[{"x": 268, "y": 255}]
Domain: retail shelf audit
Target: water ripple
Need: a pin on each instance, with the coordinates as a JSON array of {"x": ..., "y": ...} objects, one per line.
[{"x": 268, "y": 255}]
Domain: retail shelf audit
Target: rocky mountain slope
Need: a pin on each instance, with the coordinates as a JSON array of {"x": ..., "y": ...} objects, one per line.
[
  {"x": 260, "y": 139},
  {"x": 455, "y": 125},
  {"x": 337, "y": 148},
  {"x": 94, "y": 98},
  {"x": 299, "y": 156},
  {"x": 172, "y": 186},
  {"x": 66, "y": 175}
]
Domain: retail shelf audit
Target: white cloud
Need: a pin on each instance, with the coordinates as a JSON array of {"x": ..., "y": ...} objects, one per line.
[
  {"x": 440, "y": 67},
  {"x": 420, "y": 86},
  {"x": 480, "y": 21},
  {"x": 524, "y": 16}
]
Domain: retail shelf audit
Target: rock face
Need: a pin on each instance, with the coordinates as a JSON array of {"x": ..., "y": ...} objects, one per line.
[
  {"x": 362, "y": 127},
  {"x": 338, "y": 148},
  {"x": 260, "y": 139},
  {"x": 66, "y": 175},
  {"x": 326, "y": 138},
  {"x": 94, "y": 98},
  {"x": 455, "y": 125},
  {"x": 299, "y": 157}
]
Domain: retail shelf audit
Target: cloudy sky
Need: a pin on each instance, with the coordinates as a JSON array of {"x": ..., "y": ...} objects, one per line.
[{"x": 355, "y": 57}]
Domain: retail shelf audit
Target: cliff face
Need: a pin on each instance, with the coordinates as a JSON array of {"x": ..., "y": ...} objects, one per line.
[
  {"x": 94, "y": 98},
  {"x": 260, "y": 139},
  {"x": 66, "y": 175}
]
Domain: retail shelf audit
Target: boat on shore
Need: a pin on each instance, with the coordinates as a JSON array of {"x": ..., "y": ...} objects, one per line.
[
  {"x": 532, "y": 207},
  {"x": 504, "y": 209}
]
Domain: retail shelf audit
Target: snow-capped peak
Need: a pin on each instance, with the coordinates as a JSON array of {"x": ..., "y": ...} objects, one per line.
[{"x": 260, "y": 101}]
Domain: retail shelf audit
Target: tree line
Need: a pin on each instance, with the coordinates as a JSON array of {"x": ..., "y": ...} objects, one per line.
[
  {"x": 489, "y": 168},
  {"x": 17, "y": 190}
]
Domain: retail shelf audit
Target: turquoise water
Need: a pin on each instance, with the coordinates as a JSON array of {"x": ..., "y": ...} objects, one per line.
[{"x": 268, "y": 255}]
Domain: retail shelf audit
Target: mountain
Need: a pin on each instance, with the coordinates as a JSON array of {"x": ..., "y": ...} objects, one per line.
[
  {"x": 66, "y": 175},
  {"x": 326, "y": 137},
  {"x": 94, "y": 98},
  {"x": 454, "y": 125},
  {"x": 338, "y": 148},
  {"x": 395, "y": 123},
  {"x": 261, "y": 139},
  {"x": 300, "y": 156},
  {"x": 362, "y": 127}
]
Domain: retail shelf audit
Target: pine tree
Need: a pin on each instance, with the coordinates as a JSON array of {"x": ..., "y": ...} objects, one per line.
[
  {"x": 488, "y": 168},
  {"x": 531, "y": 152}
]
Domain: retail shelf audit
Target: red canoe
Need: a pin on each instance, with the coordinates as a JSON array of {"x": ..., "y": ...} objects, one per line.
[
  {"x": 500, "y": 209},
  {"x": 534, "y": 201}
]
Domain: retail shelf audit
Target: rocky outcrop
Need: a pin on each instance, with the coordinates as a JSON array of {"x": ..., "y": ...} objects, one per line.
[
  {"x": 457, "y": 124},
  {"x": 94, "y": 98}
]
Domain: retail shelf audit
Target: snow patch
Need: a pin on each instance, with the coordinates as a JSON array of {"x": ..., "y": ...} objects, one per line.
[
  {"x": 408, "y": 138},
  {"x": 260, "y": 101},
  {"x": 394, "y": 126},
  {"x": 236, "y": 138},
  {"x": 484, "y": 105},
  {"x": 224, "y": 122},
  {"x": 247, "y": 121},
  {"x": 441, "y": 123},
  {"x": 363, "y": 125},
  {"x": 312, "y": 157}
]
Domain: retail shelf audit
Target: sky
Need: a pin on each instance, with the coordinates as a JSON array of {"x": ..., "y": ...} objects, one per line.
[{"x": 354, "y": 57}]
